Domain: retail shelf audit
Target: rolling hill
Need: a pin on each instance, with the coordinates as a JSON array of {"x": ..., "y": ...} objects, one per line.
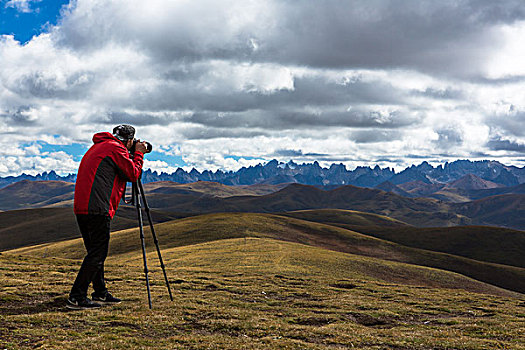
[
  {"x": 213, "y": 189},
  {"x": 254, "y": 293},
  {"x": 37, "y": 194},
  {"x": 346, "y": 218},
  {"x": 506, "y": 210},
  {"x": 464, "y": 189},
  {"x": 213, "y": 227},
  {"x": 416, "y": 211},
  {"x": 483, "y": 243},
  {"x": 19, "y": 228},
  {"x": 479, "y": 194},
  {"x": 34, "y": 194},
  {"x": 255, "y": 280}
]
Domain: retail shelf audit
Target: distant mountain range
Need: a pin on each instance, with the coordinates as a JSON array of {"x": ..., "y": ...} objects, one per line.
[
  {"x": 487, "y": 174},
  {"x": 501, "y": 206}
]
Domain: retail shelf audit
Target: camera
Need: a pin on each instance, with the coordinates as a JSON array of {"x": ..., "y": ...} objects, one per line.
[{"x": 149, "y": 147}]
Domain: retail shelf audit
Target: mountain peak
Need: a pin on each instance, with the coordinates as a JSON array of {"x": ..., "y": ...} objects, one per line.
[
  {"x": 425, "y": 166},
  {"x": 472, "y": 182}
]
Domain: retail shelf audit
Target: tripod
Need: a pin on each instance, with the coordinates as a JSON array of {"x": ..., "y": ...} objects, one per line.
[{"x": 136, "y": 189}]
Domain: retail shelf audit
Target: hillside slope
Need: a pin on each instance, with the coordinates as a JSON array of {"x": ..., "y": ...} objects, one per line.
[
  {"x": 209, "y": 188},
  {"x": 483, "y": 243},
  {"x": 351, "y": 219},
  {"x": 209, "y": 197},
  {"x": 256, "y": 293},
  {"x": 416, "y": 211},
  {"x": 26, "y": 227},
  {"x": 506, "y": 210},
  {"x": 29, "y": 194},
  {"x": 212, "y": 227}
]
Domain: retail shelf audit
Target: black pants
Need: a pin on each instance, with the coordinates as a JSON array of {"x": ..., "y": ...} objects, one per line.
[{"x": 95, "y": 232}]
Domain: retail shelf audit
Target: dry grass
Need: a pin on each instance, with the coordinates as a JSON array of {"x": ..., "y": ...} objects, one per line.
[
  {"x": 211, "y": 227},
  {"x": 251, "y": 293},
  {"x": 253, "y": 281}
]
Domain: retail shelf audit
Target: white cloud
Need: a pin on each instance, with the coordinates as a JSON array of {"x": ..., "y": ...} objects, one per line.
[
  {"x": 61, "y": 162},
  {"x": 510, "y": 59},
  {"x": 21, "y": 5},
  {"x": 159, "y": 166}
]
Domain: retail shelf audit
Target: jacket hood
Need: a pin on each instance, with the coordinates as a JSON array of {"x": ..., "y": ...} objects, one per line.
[{"x": 104, "y": 137}]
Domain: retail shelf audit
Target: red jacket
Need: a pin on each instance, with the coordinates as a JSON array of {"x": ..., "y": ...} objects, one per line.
[{"x": 102, "y": 175}]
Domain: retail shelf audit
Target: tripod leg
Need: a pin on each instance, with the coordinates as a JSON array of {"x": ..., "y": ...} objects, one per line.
[
  {"x": 142, "y": 240},
  {"x": 146, "y": 207}
]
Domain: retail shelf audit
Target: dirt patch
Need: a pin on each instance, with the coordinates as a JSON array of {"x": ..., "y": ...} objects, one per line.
[
  {"x": 313, "y": 321},
  {"x": 211, "y": 287},
  {"x": 343, "y": 285},
  {"x": 371, "y": 321}
]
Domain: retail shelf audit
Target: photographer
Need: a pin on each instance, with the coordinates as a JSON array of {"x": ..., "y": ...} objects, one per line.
[{"x": 101, "y": 183}]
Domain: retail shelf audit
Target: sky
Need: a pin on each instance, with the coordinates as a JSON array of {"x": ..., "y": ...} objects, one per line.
[{"x": 232, "y": 83}]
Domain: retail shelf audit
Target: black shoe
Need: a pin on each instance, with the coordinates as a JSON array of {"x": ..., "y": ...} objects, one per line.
[
  {"x": 106, "y": 299},
  {"x": 81, "y": 304}
]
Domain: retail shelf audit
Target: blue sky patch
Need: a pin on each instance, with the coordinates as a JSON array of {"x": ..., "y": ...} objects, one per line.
[{"x": 30, "y": 19}]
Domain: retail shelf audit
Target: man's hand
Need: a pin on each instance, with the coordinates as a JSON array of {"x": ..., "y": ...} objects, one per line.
[{"x": 141, "y": 147}]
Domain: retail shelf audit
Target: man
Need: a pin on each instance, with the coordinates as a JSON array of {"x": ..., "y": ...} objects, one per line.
[{"x": 101, "y": 183}]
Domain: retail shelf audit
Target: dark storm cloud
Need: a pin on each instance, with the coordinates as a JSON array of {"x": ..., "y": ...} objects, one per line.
[
  {"x": 441, "y": 94},
  {"x": 510, "y": 123},
  {"x": 290, "y": 119},
  {"x": 208, "y": 133},
  {"x": 139, "y": 119},
  {"x": 291, "y": 153},
  {"x": 506, "y": 145},
  {"x": 444, "y": 37},
  {"x": 47, "y": 86},
  {"x": 371, "y": 136},
  {"x": 19, "y": 117},
  {"x": 515, "y": 79},
  {"x": 448, "y": 138},
  {"x": 309, "y": 90},
  {"x": 417, "y": 156},
  {"x": 320, "y": 91}
]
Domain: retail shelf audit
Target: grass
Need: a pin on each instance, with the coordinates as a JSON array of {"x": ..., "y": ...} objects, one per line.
[
  {"x": 347, "y": 217},
  {"x": 24, "y": 227},
  {"x": 260, "y": 281},
  {"x": 210, "y": 188},
  {"x": 483, "y": 243},
  {"x": 252, "y": 293},
  {"x": 210, "y": 227}
]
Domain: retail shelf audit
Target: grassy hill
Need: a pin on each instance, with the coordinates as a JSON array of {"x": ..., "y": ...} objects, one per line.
[
  {"x": 31, "y": 194},
  {"x": 19, "y": 228},
  {"x": 208, "y": 197},
  {"x": 483, "y": 243},
  {"x": 479, "y": 194},
  {"x": 503, "y": 210},
  {"x": 36, "y": 194},
  {"x": 209, "y": 188},
  {"x": 346, "y": 218},
  {"x": 253, "y": 293},
  {"x": 416, "y": 211},
  {"x": 211, "y": 227}
]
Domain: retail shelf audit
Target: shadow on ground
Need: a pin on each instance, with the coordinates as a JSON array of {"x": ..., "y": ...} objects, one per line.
[{"x": 30, "y": 306}]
